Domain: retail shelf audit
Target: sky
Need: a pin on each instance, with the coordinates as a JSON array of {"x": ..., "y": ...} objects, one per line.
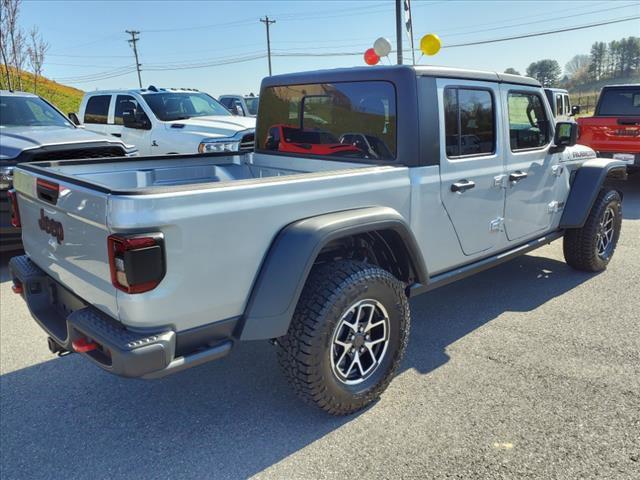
[{"x": 180, "y": 40}]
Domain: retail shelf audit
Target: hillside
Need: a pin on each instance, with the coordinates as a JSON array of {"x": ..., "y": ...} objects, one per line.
[{"x": 67, "y": 99}]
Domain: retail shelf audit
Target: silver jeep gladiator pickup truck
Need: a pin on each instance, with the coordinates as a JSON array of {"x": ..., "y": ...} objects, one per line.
[{"x": 367, "y": 186}]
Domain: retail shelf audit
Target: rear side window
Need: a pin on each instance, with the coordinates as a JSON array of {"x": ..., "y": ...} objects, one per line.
[
  {"x": 528, "y": 123},
  {"x": 123, "y": 104},
  {"x": 620, "y": 102},
  {"x": 470, "y": 127},
  {"x": 97, "y": 110},
  {"x": 567, "y": 105},
  {"x": 351, "y": 120}
]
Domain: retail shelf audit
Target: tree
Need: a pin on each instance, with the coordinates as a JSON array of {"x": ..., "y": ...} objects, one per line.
[
  {"x": 4, "y": 47},
  {"x": 546, "y": 71},
  {"x": 13, "y": 51},
  {"x": 36, "y": 51},
  {"x": 577, "y": 66},
  {"x": 597, "y": 67},
  {"x": 512, "y": 71}
]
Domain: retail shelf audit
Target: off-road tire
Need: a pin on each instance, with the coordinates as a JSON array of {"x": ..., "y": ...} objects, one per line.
[
  {"x": 580, "y": 244},
  {"x": 304, "y": 353}
]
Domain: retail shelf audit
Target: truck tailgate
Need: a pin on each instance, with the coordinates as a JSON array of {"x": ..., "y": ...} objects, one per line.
[
  {"x": 610, "y": 134},
  {"x": 64, "y": 232}
]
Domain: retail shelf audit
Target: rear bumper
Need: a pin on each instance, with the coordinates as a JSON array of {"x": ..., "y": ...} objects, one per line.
[
  {"x": 68, "y": 319},
  {"x": 631, "y": 164}
]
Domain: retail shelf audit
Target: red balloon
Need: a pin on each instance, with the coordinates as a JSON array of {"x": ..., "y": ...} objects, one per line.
[{"x": 371, "y": 57}]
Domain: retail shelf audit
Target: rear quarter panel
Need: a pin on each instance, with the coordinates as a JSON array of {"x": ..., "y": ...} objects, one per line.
[{"x": 216, "y": 239}]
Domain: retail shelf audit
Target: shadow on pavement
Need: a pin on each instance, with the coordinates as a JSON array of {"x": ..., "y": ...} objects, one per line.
[{"x": 236, "y": 416}]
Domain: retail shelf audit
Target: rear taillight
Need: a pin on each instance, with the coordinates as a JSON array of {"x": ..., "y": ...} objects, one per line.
[
  {"x": 137, "y": 261},
  {"x": 15, "y": 211}
]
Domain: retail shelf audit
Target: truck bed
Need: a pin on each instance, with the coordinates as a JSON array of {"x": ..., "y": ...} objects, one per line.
[{"x": 179, "y": 172}]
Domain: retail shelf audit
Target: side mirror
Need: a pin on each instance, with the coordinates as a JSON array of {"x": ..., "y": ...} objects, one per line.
[
  {"x": 74, "y": 118},
  {"x": 575, "y": 110},
  {"x": 566, "y": 135},
  {"x": 135, "y": 119},
  {"x": 238, "y": 110},
  {"x": 129, "y": 119}
]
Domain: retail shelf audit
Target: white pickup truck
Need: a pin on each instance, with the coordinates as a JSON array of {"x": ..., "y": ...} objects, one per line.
[
  {"x": 161, "y": 121},
  {"x": 367, "y": 186}
]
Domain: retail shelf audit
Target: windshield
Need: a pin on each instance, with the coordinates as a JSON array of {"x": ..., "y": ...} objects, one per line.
[
  {"x": 620, "y": 102},
  {"x": 169, "y": 106},
  {"x": 252, "y": 105},
  {"x": 29, "y": 112}
]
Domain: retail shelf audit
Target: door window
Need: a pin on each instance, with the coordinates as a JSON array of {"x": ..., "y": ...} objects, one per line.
[
  {"x": 559, "y": 107},
  {"x": 123, "y": 104},
  {"x": 528, "y": 123},
  {"x": 470, "y": 127},
  {"x": 567, "y": 105},
  {"x": 97, "y": 110}
]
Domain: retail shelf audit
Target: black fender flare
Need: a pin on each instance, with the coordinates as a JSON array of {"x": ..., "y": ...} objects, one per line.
[
  {"x": 585, "y": 188},
  {"x": 285, "y": 269}
]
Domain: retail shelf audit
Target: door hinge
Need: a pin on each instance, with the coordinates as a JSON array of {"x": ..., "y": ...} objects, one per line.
[
  {"x": 555, "y": 206},
  {"x": 557, "y": 170},
  {"x": 497, "y": 225}
]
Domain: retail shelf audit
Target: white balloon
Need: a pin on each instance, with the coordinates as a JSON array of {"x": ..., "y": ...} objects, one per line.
[{"x": 382, "y": 46}]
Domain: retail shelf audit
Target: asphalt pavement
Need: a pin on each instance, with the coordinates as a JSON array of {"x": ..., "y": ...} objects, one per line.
[{"x": 529, "y": 370}]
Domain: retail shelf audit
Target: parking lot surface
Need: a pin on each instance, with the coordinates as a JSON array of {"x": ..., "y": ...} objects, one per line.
[{"x": 529, "y": 370}]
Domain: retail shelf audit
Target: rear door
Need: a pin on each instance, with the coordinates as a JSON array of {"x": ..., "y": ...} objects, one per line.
[
  {"x": 471, "y": 164},
  {"x": 64, "y": 232},
  {"x": 532, "y": 172},
  {"x": 96, "y": 113}
]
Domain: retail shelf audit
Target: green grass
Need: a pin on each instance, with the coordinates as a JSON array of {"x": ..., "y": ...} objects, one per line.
[{"x": 66, "y": 98}]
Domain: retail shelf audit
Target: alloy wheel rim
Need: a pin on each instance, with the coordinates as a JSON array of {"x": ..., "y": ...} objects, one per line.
[
  {"x": 604, "y": 237},
  {"x": 360, "y": 342}
]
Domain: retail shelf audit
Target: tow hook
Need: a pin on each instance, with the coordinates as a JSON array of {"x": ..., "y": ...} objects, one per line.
[
  {"x": 56, "y": 348},
  {"x": 82, "y": 345}
]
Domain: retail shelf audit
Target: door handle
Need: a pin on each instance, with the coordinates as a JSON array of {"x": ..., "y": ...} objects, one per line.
[
  {"x": 515, "y": 177},
  {"x": 462, "y": 186},
  {"x": 117, "y": 135}
]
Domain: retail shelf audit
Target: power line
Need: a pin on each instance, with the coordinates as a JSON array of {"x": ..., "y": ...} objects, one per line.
[
  {"x": 133, "y": 42},
  {"x": 545, "y": 20},
  {"x": 125, "y": 70},
  {"x": 548, "y": 32},
  {"x": 268, "y": 22}
]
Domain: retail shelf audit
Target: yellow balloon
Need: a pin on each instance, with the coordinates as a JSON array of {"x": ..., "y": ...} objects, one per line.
[{"x": 430, "y": 44}]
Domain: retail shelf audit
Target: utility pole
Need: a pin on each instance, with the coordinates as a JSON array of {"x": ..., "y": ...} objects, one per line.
[
  {"x": 132, "y": 42},
  {"x": 268, "y": 22},
  {"x": 399, "y": 30}
]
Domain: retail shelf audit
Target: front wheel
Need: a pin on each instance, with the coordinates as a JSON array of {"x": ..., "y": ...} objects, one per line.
[
  {"x": 591, "y": 247},
  {"x": 347, "y": 336}
]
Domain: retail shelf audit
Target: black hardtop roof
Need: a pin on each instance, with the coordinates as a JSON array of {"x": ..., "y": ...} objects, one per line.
[{"x": 391, "y": 72}]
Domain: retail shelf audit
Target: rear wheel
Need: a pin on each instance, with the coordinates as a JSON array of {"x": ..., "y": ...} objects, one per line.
[
  {"x": 347, "y": 337},
  {"x": 591, "y": 247}
]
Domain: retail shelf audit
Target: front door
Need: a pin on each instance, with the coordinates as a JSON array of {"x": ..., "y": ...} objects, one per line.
[
  {"x": 471, "y": 164},
  {"x": 139, "y": 137},
  {"x": 532, "y": 171}
]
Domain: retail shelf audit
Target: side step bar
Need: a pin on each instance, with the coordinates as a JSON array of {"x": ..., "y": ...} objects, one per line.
[{"x": 459, "y": 273}]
